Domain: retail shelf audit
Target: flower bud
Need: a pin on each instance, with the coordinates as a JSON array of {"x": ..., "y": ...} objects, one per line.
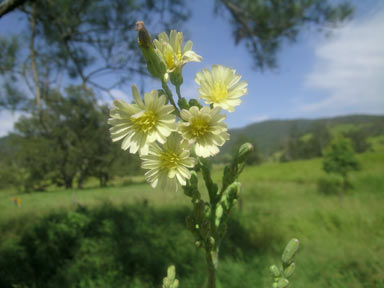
[
  {"x": 233, "y": 191},
  {"x": 166, "y": 77},
  {"x": 144, "y": 38},
  {"x": 289, "y": 270},
  {"x": 183, "y": 104},
  {"x": 194, "y": 102},
  {"x": 219, "y": 211},
  {"x": 274, "y": 271},
  {"x": 171, "y": 273},
  {"x": 176, "y": 77},
  {"x": 282, "y": 283},
  {"x": 290, "y": 251},
  {"x": 245, "y": 150},
  {"x": 154, "y": 65}
]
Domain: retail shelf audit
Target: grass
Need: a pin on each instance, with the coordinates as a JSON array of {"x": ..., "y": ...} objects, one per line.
[{"x": 342, "y": 244}]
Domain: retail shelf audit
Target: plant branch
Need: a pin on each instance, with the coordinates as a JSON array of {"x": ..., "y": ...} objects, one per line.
[
  {"x": 10, "y": 5},
  {"x": 32, "y": 23},
  {"x": 237, "y": 15},
  {"x": 168, "y": 92},
  {"x": 178, "y": 92}
]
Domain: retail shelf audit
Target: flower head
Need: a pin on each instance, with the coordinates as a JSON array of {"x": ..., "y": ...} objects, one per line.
[
  {"x": 204, "y": 128},
  {"x": 142, "y": 122},
  {"x": 221, "y": 87},
  {"x": 170, "y": 50},
  {"x": 168, "y": 163}
]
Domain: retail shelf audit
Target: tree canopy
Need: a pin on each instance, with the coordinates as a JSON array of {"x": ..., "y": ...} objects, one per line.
[
  {"x": 78, "y": 42},
  {"x": 264, "y": 25},
  {"x": 71, "y": 143}
]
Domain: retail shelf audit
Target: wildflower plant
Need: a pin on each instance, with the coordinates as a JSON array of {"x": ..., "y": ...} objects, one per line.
[{"x": 175, "y": 139}]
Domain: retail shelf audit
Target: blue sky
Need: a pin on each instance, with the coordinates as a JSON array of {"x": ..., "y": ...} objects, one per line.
[{"x": 318, "y": 76}]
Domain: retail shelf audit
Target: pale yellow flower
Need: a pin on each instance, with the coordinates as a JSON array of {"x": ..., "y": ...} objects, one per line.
[
  {"x": 168, "y": 164},
  {"x": 221, "y": 87},
  {"x": 170, "y": 50},
  {"x": 142, "y": 122},
  {"x": 204, "y": 128}
]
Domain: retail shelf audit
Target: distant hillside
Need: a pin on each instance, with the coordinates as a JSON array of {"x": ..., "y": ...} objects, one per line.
[{"x": 270, "y": 135}]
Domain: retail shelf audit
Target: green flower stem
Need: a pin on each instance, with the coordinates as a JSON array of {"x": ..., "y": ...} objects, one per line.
[
  {"x": 211, "y": 272},
  {"x": 178, "y": 91},
  {"x": 208, "y": 219},
  {"x": 168, "y": 92},
  {"x": 212, "y": 249}
]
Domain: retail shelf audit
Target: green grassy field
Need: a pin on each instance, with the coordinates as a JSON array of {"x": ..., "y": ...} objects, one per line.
[{"x": 342, "y": 243}]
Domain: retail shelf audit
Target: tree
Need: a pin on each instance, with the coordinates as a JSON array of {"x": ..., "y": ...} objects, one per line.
[
  {"x": 291, "y": 146},
  {"x": 77, "y": 40},
  {"x": 71, "y": 143},
  {"x": 339, "y": 158},
  {"x": 265, "y": 24},
  {"x": 359, "y": 139},
  {"x": 7, "y": 6},
  {"x": 306, "y": 145}
]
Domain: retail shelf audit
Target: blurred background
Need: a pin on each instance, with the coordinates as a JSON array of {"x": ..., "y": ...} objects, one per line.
[{"x": 75, "y": 210}]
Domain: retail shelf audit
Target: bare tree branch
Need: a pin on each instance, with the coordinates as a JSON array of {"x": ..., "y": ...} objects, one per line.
[
  {"x": 237, "y": 15},
  {"x": 32, "y": 23},
  {"x": 10, "y": 5}
]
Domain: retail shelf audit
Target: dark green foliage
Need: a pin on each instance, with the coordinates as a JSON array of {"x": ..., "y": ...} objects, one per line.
[
  {"x": 9, "y": 48},
  {"x": 339, "y": 157},
  {"x": 298, "y": 148},
  {"x": 264, "y": 25},
  {"x": 272, "y": 135},
  {"x": 82, "y": 40},
  {"x": 107, "y": 247},
  {"x": 11, "y": 97},
  {"x": 69, "y": 140},
  {"x": 359, "y": 139}
]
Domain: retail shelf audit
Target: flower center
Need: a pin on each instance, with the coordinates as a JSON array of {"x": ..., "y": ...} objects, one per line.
[
  {"x": 178, "y": 55},
  {"x": 219, "y": 92},
  {"x": 169, "y": 59},
  {"x": 199, "y": 127},
  {"x": 169, "y": 160},
  {"x": 145, "y": 122}
]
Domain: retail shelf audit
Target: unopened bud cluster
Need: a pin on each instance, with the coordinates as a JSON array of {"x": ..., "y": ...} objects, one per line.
[{"x": 281, "y": 274}]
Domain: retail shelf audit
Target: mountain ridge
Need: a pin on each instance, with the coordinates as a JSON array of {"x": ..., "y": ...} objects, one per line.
[{"x": 271, "y": 134}]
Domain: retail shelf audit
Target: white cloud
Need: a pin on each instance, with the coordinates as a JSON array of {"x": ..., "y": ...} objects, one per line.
[
  {"x": 259, "y": 118},
  {"x": 114, "y": 94},
  {"x": 119, "y": 94},
  {"x": 7, "y": 119},
  {"x": 349, "y": 68}
]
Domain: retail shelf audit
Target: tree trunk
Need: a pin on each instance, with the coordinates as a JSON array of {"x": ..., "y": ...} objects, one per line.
[
  {"x": 80, "y": 183},
  {"x": 68, "y": 183},
  {"x": 343, "y": 189},
  {"x": 103, "y": 179},
  {"x": 81, "y": 179}
]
